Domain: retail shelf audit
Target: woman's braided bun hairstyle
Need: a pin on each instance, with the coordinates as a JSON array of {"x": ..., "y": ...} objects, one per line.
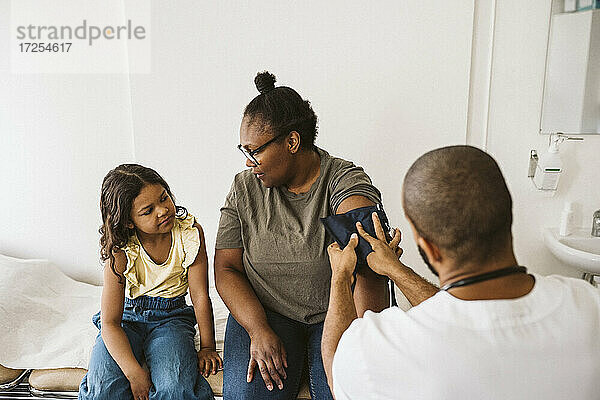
[
  {"x": 265, "y": 82},
  {"x": 280, "y": 110}
]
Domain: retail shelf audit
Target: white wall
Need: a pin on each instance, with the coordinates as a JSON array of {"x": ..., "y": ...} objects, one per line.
[
  {"x": 515, "y": 107},
  {"x": 388, "y": 80},
  {"x": 59, "y": 135}
]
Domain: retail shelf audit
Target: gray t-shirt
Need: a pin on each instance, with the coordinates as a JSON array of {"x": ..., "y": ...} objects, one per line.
[{"x": 284, "y": 241}]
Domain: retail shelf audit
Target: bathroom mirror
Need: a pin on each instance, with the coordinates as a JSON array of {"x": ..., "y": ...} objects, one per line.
[{"x": 571, "y": 97}]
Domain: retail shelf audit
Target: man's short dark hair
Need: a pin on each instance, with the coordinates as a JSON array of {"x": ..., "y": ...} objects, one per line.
[{"x": 456, "y": 198}]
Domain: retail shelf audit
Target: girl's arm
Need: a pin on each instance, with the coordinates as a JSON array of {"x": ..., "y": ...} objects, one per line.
[
  {"x": 113, "y": 335},
  {"x": 209, "y": 360}
]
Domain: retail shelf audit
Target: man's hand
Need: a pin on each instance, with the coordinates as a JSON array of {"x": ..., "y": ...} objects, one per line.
[
  {"x": 267, "y": 351},
  {"x": 343, "y": 262},
  {"x": 341, "y": 311},
  {"x": 209, "y": 362},
  {"x": 140, "y": 384},
  {"x": 385, "y": 256}
]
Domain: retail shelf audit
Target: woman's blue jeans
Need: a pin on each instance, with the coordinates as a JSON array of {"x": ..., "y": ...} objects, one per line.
[
  {"x": 302, "y": 344},
  {"x": 161, "y": 334}
]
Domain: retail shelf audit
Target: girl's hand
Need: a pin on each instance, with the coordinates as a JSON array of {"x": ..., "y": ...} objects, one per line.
[
  {"x": 140, "y": 384},
  {"x": 209, "y": 362},
  {"x": 385, "y": 256}
]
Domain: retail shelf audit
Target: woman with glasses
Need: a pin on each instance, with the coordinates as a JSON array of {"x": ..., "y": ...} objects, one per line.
[{"x": 271, "y": 263}]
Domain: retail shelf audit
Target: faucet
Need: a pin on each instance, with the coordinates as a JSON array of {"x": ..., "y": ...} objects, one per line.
[{"x": 596, "y": 224}]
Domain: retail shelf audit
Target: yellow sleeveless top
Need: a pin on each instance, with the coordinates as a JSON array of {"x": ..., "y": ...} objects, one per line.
[{"x": 146, "y": 278}]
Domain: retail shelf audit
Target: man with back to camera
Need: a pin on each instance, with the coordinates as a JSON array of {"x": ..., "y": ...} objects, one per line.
[{"x": 492, "y": 331}]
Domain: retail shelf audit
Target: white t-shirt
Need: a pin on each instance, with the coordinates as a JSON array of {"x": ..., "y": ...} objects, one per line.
[{"x": 544, "y": 345}]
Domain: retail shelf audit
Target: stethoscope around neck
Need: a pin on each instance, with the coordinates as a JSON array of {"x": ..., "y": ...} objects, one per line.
[{"x": 514, "y": 269}]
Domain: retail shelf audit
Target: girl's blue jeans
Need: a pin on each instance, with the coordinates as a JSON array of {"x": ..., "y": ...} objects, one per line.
[
  {"x": 302, "y": 344},
  {"x": 161, "y": 334}
]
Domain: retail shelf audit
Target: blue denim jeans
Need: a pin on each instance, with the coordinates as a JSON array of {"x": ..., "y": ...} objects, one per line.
[
  {"x": 302, "y": 343},
  {"x": 161, "y": 334}
]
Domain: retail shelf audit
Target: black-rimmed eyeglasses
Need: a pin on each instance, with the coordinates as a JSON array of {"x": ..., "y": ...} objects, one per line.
[{"x": 250, "y": 153}]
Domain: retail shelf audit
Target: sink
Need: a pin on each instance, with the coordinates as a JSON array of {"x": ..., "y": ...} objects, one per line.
[{"x": 579, "y": 250}]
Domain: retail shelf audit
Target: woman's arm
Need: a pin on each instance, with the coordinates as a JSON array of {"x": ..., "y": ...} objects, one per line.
[
  {"x": 113, "y": 335},
  {"x": 371, "y": 291},
  {"x": 266, "y": 349},
  {"x": 208, "y": 359},
  {"x": 237, "y": 293}
]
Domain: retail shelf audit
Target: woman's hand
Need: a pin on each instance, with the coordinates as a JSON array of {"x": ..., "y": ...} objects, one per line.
[
  {"x": 385, "y": 256},
  {"x": 267, "y": 352},
  {"x": 140, "y": 384},
  {"x": 209, "y": 362},
  {"x": 343, "y": 261}
]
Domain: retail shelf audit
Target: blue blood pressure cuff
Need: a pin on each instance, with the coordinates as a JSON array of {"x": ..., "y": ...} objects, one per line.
[{"x": 342, "y": 226}]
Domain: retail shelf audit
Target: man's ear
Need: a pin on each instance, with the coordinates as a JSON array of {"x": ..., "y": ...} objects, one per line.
[
  {"x": 431, "y": 250},
  {"x": 293, "y": 142}
]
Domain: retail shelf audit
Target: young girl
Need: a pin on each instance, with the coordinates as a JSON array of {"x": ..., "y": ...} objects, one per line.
[{"x": 155, "y": 251}]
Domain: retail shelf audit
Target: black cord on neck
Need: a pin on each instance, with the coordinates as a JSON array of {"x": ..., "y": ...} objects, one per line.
[{"x": 515, "y": 269}]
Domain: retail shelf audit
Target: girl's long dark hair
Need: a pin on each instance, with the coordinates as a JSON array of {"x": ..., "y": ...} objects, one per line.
[{"x": 119, "y": 188}]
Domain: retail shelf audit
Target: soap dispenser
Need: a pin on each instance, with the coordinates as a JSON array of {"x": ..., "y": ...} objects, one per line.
[
  {"x": 566, "y": 220},
  {"x": 549, "y": 167}
]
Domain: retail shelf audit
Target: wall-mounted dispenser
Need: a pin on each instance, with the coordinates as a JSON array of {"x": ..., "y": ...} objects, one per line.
[{"x": 545, "y": 170}]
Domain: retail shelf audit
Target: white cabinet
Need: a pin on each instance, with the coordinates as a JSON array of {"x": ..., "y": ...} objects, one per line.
[{"x": 572, "y": 89}]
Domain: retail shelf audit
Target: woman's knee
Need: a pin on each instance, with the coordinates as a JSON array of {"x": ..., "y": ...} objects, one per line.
[{"x": 316, "y": 373}]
